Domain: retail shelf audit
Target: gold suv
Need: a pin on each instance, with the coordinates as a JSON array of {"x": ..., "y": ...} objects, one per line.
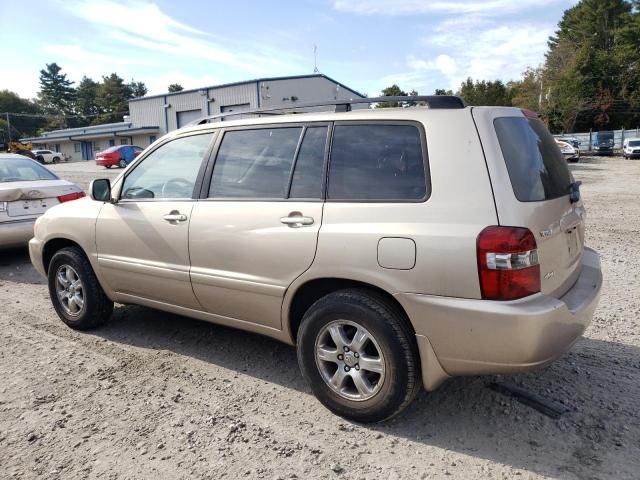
[{"x": 394, "y": 247}]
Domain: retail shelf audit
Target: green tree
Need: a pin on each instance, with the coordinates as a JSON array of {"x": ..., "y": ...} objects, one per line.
[
  {"x": 86, "y": 100},
  {"x": 527, "y": 92},
  {"x": 56, "y": 91},
  {"x": 112, "y": 98},
  {"x": 23, "y": 118},
  {"x": 485, "y": 92},
  {"x": 442, "y": 91},
  {"x": 591, "y": 69},
  {"x": 137, "y": 89},
  {"x": 175, "y": 87},
  {"x": 395, "y": 91}
]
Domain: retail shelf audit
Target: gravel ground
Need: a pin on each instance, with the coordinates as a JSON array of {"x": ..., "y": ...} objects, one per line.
[{"x": 154, "y": 395}]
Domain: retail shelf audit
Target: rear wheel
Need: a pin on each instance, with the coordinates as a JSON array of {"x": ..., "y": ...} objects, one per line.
[
  {"x": 56, "y": 159},
  {"x": 122, "y": 163},
  {"x": 75, "y": 291},
  {"x": 107, "y": 166},
  {"x": 40, "y": 159},
  {"x": 359, "y": 355}
]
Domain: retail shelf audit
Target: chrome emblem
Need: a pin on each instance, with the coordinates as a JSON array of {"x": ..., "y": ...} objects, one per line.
[
  {"x": 34, "y": 194},
  {"x": 546, "y": 233},
  {"x": 549, "y": 275}
]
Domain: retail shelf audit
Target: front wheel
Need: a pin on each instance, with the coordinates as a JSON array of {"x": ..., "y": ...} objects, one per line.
[
  {"x": 107, "y": 166},
  {"x": 359, "y": 355},
  {"x": 75, "y": 291},
  {"x": 122, "y": 164},
  {"x": 56, "y": 159}
]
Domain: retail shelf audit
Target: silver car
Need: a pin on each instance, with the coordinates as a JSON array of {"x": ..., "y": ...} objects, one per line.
[
  {"x": 27, "y": 190},
  {"x": 395, "y": 247}
]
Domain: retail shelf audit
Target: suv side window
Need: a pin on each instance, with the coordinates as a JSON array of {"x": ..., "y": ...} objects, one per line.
[
  {"x": 377, "y": 162},
  {"x": 170, "y": 171},
  {"x": 255, "y": 163},
  {"x": 307, "y": 176}
]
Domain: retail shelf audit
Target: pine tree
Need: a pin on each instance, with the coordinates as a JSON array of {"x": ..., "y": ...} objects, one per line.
[
  {"x": 86, "y": 101},
  {"x": 175, "y": 87},
  {"x": 112, "y": 97},
  {"x": 56, "y": 92}
]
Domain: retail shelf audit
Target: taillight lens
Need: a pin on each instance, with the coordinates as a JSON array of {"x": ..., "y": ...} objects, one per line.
[
  {"x": 71, "y": 196},
  {"x": 507, "y": 263}
]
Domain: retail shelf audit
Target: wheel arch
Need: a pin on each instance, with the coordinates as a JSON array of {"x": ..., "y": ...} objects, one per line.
[
  {"x": 312, "y": 290},
  {"x": 56, "y": 244}
]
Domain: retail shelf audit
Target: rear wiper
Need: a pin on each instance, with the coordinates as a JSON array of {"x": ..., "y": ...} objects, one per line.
[{"x": 574, "y": 191}]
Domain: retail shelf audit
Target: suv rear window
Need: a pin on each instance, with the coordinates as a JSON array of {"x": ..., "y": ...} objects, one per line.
[
  {"x": 537, "y": 168},
  {"x": 377, "y": 162}
]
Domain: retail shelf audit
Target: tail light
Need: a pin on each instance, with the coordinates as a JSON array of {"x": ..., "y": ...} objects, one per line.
[
  {"x": 507, "y": 263},
  {"x": 71, "y": 196}
]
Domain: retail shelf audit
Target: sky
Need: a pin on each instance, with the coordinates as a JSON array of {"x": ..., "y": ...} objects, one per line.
[{"x": 365, "y": 44}]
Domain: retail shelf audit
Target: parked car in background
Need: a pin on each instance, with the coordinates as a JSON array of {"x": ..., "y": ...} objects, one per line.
[
  {"x": 569, "y": 153},
  {"x": 27, "y": 190},
  {"x": 631, "y": 148},
  {"x": 573, "y": 141},
  {"x": 394, "y": 247},
  {"x": 48, "y": 156},
  {"x": 603, "y": 143},
  {"x": 118, "y": 156}
]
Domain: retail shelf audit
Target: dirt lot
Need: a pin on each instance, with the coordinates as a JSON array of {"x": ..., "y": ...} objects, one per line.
[{"x": 153, "y": 395}]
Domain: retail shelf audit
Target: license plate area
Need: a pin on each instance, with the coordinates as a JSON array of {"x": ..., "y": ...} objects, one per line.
[
  {"x": 572, "y": 242},
  {"x": 22, "y": 208}
]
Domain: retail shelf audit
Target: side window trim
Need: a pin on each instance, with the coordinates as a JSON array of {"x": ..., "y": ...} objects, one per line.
[
  {"x": 199, "y": 176},
  {"x": 208, "y": 170},
  {"x": 425, "y": 160},
  {"x": 295, "y": 161}
]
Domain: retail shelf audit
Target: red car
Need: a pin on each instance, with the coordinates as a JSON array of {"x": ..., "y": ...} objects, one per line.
[{"x": 120, "y": 156}]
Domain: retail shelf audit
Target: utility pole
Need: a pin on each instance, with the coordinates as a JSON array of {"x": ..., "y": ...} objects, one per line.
[{"x": 8, "y": 126}]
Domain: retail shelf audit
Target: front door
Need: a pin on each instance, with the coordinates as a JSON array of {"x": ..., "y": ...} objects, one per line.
[
  {"x": 257, "y": 230},
  {"x": 142, "y": 240},
  {"x": 87, "y": 150}
]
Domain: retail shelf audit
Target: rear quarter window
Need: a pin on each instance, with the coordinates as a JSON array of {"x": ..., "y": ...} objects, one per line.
[
  {"x": 377, "y": 162},
  {"x": 536, "y": 166}
]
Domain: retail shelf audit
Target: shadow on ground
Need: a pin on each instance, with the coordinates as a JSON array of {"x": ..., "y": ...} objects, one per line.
[{"x": 599, "y": 382}]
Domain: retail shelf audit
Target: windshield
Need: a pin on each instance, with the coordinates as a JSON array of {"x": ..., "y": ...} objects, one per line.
[
  {"x": 635, "y": 143},
  {"x": 536, "y": 166},
  {"x": 23, "y": 170}
]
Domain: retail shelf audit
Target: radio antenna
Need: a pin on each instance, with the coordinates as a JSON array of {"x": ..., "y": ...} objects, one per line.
[{"x": 315, "y": 59}]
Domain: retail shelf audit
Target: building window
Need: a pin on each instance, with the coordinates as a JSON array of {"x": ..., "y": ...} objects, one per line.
[
  {"x": 96, "y": 146},
  {"x": 77, "y": 148},
  {"x": 152, "y": 138},
  {"x": 57, "y": 147},
  {"x": 112, "y": 142},
  {"x": 124, "y": 141}
]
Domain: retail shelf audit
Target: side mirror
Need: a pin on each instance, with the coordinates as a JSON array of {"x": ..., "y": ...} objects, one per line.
[{"x": 100, "y": 190}]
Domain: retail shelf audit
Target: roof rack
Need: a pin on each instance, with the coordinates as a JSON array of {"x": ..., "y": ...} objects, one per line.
[{"x": 430, "y": 101}]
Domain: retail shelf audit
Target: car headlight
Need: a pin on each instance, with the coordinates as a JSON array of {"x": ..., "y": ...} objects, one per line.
[{"x": 3, "y": 206}]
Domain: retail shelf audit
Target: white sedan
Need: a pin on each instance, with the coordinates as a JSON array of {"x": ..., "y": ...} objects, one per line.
[
  {"x": 27, "y": 190},
  {"x": 569, "y": 152},
  {"x": 48, "y": 156}
]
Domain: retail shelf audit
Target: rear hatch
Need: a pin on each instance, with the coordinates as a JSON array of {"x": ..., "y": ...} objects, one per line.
[{"x": 533, "y": 189}]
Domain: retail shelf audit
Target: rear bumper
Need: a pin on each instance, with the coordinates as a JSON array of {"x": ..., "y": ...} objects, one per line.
[
  {"x": 470, "y": 337},
  {"x": 16, "y": 233}
]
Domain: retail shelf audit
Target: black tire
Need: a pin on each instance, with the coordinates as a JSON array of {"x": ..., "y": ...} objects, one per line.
[
  {"x": 107, "y": 166},
  {"x": 395, "y": 337},
  {"x": 97, "y": 307},
  {"x": 56, "y": 159},
  {"x": 40, "y": 159},
  {"x": 122, "y": 163}
]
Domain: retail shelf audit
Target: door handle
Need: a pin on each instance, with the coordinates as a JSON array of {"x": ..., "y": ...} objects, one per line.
[
  {"x": 175, "y": 216},
  {"x": 296, "y": 220}
]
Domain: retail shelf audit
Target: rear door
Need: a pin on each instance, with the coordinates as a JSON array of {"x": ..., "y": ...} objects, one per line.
[
  {"x": 532, "y": 185},
  {"x": 255, "y": 229}
]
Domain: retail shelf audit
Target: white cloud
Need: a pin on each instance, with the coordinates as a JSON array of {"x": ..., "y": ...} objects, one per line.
[
  {"x": 412, "y": 7},
  {"x": 446, "y": 65},
  {"x": 143, "y": 25}
]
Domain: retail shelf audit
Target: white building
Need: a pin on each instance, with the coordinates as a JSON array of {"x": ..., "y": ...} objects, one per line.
[{"x": 151, "y": 117}]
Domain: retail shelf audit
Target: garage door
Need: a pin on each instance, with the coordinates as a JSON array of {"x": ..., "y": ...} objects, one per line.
[
  {"x": 187, "y": 116},
  {"x": 241, "y": 107}
]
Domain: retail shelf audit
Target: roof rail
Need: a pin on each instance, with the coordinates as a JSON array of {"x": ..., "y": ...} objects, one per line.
[{"x": 431, "y": 101}]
